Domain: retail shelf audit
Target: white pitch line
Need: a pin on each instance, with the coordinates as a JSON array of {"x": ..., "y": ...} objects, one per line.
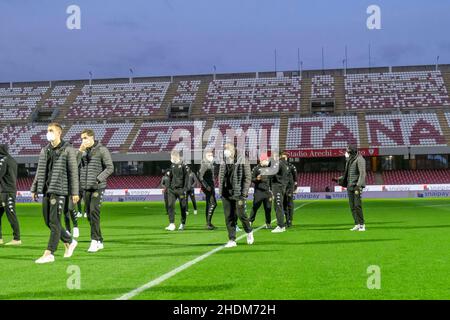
[{"x": 185, "y": 266}]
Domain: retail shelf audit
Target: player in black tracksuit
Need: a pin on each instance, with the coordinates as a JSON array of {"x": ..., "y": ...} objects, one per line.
[
  {"x": 191, "y": 192},
  {"x": 280, "y": 181},
  {"x": 177, "y": 189},
  {"x": 263, "y": 193},
  {"x": 164, "y": 185},
  {"x": 8, "y": 190},
  {"x": 206, "y": 178},
  {"x": 291, "y": 188}
]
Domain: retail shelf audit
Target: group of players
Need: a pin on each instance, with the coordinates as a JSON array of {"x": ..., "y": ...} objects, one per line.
[
  {"x": 274, "y": 180},
  {"x": 65, "y": 175}
]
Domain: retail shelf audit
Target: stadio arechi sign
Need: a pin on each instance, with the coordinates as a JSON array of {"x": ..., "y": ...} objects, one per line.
[{"x": 329, "y": 153}]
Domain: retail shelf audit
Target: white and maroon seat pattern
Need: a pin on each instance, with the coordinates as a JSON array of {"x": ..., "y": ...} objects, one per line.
[
  {"x": 404, "y": 130},
  {"x": 419, "y": 89},
  {"x": 119, "y": 100},
  {"x": 164, "y": 136},
  {"x": 18, "y": 103},
  {"x": 24, "y": 140},
  {"x": 322, "y": 87},
  {"x": 399, "y": 177},
  {"x": 58, "y": 96},
  {"x": 111, "y": 135},
  {"x": 322, "y": 132},
  {"x": 186, "y": 92},
  {"x": 447, "y": 116},
  {"x": 256, "y": 132},
  {"x": 253, "y": 95}
]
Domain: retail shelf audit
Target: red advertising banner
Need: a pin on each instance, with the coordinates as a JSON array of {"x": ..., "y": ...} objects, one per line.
[{"x": 329, "y": 153}]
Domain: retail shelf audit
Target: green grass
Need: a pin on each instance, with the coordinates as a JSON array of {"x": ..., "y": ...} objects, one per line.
[{"x": 317, "y": 259}]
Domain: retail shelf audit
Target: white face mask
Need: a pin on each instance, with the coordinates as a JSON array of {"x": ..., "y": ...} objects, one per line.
[
  {"x": 174, "y": 160},
  {"x": 50, "y": 136},
  {"x": 347, "y": 155},
  {"x": 210, "y": 158},
  {"x": 227, "y": 153},
  {"x": 265, "y": 163}
]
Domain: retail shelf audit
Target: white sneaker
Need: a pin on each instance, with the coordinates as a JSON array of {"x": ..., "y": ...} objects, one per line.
[
  {"x": 195, "y": 212},
  {"x": 355, "y": 228},
  {"x": 99, "y": 245},
  {"x": 1, "y": 241},
  {"x": 94, "y": 246},
  {"x": 13, "y": 243},
  {"x": 250, "y": 238},
  {"x": 171, "y": 227},
  {"x": 46, "y": 259},
  {"x": 71, "y": 249},
  {"x": 362, "y": 227},
  {"x": 238, "y": 229},
  {"x": 79, "y": 215},
  {"x": 76, "y": 232},
  {"x": 278, "y": 230},
  {"x": 181, "y": 227},
  {"x": 231, "y": 244},
  {"x": 187, "y": 213},
  {"x": 85, "y": 215}
]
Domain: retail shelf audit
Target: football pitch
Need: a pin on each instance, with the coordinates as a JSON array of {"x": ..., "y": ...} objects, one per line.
[{"x": 318, "y": 258}]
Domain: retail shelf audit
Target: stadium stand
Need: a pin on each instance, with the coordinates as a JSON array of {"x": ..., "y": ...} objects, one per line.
[
  {"x": 416, "y": 176},
  {"x": 118, "y": 100},
  {"x": 24, "y": 140},
  {"x": 112, "y": 135},
  {"x": 19, "y": 102},
  {"x": 253, "y": 95},
  {"x": 417, "y": 89},
  {"x": 322, "y": 87},
  {"x": 322, "y": 132},
  {"x": 157, "y": 136},
  {"x": 407, "y": 129},
  {"x": 186, "y": 92}
]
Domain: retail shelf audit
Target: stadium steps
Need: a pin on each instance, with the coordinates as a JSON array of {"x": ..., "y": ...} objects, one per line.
[
  {"x": 339, "y": 94},
  {"x": 284, "y": 120},
  {"x": 363, "y": 137},
  {"x": 133, "y": 133},
  {"x": 444, "y": 125},
  {"x": 64, "y": 109},
  {"x": 446, "y": 77},
  {"x": 171, "y": 91},
  {"x": 44, "y": 97},
  {"x": 305, "y": 97},
  {"x": 200, "y": 98}
]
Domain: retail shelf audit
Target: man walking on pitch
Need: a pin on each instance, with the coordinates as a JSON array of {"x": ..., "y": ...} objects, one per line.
[
  {"x": 56, "y": 178},
  {"x": 354, "y": 179},
  {"x": 8, "y": 190},
  {"x": 96, "y": 166},
  {"x": 234, "y": 182},
  {"x": 263, "y": 193},
  {"x": 191, "y": 192},
  {"x": 164, "y": 185},
  {"x": 291, "y": 189},
  {"x": 280, "y": 181},
  {"x": 206, "y": 178},
  {"x": 178, "y": 186}
]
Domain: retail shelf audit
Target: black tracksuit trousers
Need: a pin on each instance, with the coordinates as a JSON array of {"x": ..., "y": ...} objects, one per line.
[
  {"x": 8, "y": 205},
  {"x": 172, "y": 198},
  {"x": 52, "y": 208},
  {"x": 234, "y": 209},
  {"x": 279, "y": 192},
  {"x": 262, "y": 198},
  {"x": 92, "y": 203},
  {"x": 211, "y": 204}
]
